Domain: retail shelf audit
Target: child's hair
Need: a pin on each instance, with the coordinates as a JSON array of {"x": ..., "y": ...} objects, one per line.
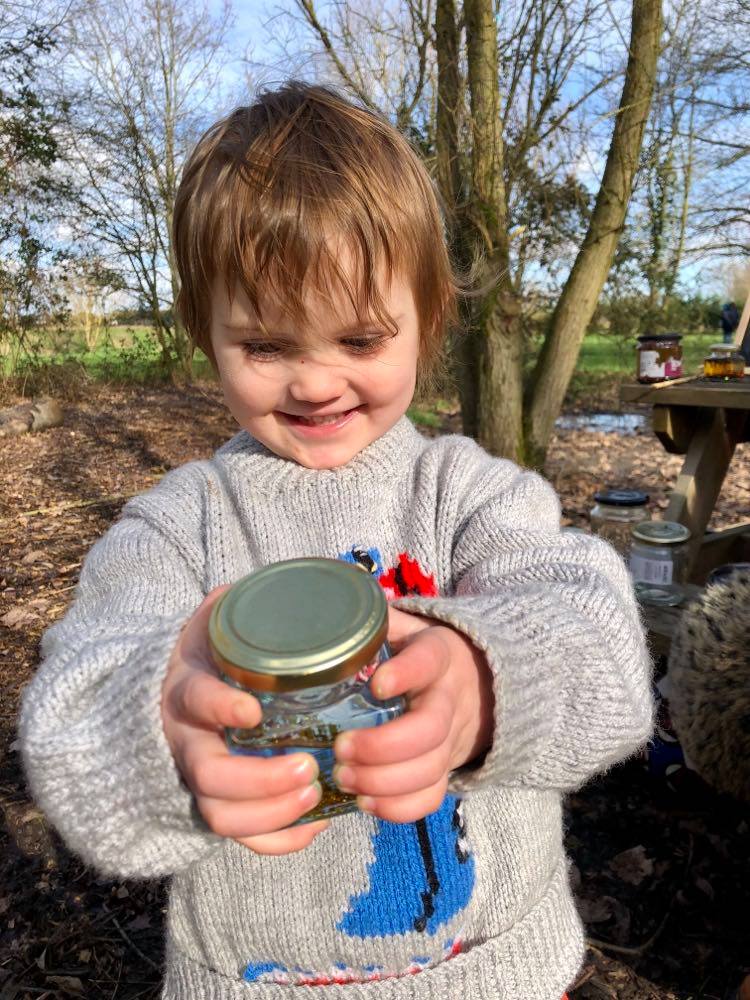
[{"x": 273, "y": 191}]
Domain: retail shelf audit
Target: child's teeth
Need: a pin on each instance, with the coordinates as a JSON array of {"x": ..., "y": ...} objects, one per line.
[{"x": 321, "y": 420}]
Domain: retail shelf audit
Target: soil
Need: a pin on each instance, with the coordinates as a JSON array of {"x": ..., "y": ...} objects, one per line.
[{"x": 660, "y": 870}]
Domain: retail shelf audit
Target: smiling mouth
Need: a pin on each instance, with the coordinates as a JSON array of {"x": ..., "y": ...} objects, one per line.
[{"x": 328, "y": 420}]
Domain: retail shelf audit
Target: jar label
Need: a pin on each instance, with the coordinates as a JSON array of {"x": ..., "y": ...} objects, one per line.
[
  {"x": 645, "y": 570},
  {"x": 653, "y": 364}
]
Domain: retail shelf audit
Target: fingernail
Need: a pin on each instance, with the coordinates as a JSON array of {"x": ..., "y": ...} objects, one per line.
[
  {"x": 344, "y": 748},
  {"x": 311, "y": 795},
  {"x": 381, "y": 686},
  {"x": 344, "y": 777},
  {"x": 366, "y": 804},
  {"x": 306, "y": 768}
]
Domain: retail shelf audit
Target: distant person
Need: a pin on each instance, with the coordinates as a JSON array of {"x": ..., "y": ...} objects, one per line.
[
  {"x": 730, "y": 320},
  {"x": 316, "y": 277}
]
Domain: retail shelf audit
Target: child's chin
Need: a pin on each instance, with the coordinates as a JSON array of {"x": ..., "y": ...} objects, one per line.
[{"x": 333, "y": 458}]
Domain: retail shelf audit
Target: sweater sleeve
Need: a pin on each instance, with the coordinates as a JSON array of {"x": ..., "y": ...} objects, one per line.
[
  {"x": 93, "y": 744},
  {"x": 557, "y": 618}
]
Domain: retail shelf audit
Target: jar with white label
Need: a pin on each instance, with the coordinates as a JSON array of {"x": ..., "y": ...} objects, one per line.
[
  {"x": 659, "y": 357},
  {"x": 659, "y": 560}
]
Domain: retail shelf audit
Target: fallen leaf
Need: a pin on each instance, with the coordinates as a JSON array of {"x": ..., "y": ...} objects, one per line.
[
  {"x": 17, "y": 617},
  {"x": 632, "y": 866},
  {"x": 70, "y": 983},
  {"x": 36, "y": 555},
  {"x": 594, "y": 911}
]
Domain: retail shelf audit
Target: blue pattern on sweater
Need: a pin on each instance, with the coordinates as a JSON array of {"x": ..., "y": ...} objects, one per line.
[{"x": 401, "y": 895}]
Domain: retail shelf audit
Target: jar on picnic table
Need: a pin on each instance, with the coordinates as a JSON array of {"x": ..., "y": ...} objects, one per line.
[
  {"x": 724, "y": 363},
  {"x": 615, "y": 513},
  {"x": 659, "y": 560},
  {"x": 304, "y": 637},
  {"x": 659, "y": 357}
]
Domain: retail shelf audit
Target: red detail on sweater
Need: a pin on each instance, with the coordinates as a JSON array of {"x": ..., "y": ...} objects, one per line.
[
  {"x": 408, "y": 579},
  {"x": 344, "y": 979}
]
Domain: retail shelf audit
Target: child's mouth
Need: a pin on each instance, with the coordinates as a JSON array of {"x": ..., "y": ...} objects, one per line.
[{"x": 320, "y": 424}]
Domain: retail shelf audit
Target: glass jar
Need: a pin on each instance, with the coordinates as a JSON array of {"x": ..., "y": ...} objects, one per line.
[
  {"x": 724, "y": 363},
  {"x": 304, "y": 637},
  {"x": 659, "y": 357},
  {"x": 659, "y": 560},
  {"x": 614, "y": 514}
]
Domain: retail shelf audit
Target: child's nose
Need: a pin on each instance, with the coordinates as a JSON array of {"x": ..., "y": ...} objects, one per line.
[{"x": 315, "y": 382}]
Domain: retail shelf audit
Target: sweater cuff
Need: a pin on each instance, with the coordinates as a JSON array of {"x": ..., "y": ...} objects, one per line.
[
  {"x": 119, "y": 744},
  {"x": 528, "y": 702}
]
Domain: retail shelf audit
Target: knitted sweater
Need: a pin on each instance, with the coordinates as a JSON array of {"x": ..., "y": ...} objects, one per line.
[{"x": 473, "y": 901}]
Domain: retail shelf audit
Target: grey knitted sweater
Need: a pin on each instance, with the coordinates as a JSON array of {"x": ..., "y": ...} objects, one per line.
[{"x": 472, "y": 902}]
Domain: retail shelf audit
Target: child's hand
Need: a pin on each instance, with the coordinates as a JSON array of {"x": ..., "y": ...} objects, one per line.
[
  {"x": 400, "y": 770},
  {"x": 250, "y": 799}
]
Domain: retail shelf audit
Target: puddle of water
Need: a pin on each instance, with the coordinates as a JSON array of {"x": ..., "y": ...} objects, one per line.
[{"x": 612, "y": 423}]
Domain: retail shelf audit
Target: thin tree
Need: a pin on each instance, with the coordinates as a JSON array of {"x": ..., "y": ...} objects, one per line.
[
  {"x": 576, "y": 304},
  {"x": 140, "y": 81}
]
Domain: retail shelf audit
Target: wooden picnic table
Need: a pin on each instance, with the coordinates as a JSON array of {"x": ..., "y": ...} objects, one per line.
[{"x": 703, "y": 420}]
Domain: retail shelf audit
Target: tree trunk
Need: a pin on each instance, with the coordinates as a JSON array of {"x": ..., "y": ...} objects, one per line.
[
  {"x": 491, "y": 370},
  {"x": 577, "y": 302}
]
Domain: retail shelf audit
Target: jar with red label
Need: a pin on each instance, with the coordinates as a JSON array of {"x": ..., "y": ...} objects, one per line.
[{"x": 659, "y": 357}]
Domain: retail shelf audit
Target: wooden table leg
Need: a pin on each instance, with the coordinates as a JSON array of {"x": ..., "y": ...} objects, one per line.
[{"x": 699, "y": 483}]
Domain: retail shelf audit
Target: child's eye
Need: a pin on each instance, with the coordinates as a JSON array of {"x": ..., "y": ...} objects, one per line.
[
  {"x": 364, "y": 345},
  {"x": 262, "y": 350}
]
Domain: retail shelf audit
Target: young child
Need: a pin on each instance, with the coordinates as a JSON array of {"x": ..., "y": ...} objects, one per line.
[{"x": 315, "y": 275}]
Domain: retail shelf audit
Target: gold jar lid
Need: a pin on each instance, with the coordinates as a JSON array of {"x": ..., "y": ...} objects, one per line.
[{"x": 298, "y": 624}]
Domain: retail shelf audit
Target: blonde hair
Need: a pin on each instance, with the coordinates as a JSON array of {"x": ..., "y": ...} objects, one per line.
[{"x": 271, "y": 191}]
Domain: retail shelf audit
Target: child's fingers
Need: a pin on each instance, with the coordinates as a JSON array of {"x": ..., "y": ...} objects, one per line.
[
  {"x": 212, "y": 772},
  {"x": 295, "y": 838},
  {"x": 395, "y": 779},
  {"x": 201, "y": 699},
  {"x": 406, "y": 808},
  {"x": 402, "y": 625},
  {"x": 421, "y": 662},
  {"x": 247, "y": 819},
  {"x": 424, "y": 727}
]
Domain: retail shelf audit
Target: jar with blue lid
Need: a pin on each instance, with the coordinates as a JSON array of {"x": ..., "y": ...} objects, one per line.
[{"x": 304, "y": 637}]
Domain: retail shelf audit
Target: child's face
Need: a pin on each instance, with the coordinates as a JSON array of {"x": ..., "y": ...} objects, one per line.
[{"x": 321, "y": 393}]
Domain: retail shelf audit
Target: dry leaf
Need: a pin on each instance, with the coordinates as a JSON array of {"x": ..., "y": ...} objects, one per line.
[
  {"x": 17, "y": 617},
  {"x": 632, "y": 866},
  {"x": 36, "y": 555},
  {"x": 72, "y": 984},
  {"x": 594, "y": 911}
]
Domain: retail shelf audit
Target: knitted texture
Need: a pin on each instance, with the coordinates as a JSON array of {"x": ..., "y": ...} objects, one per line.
[
  {"x": 474, "y": 900},
  {"x": 709, "y": 685}
]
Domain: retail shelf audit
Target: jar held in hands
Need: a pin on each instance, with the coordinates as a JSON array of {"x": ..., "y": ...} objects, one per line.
[{"x": 304, "y": 637}]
